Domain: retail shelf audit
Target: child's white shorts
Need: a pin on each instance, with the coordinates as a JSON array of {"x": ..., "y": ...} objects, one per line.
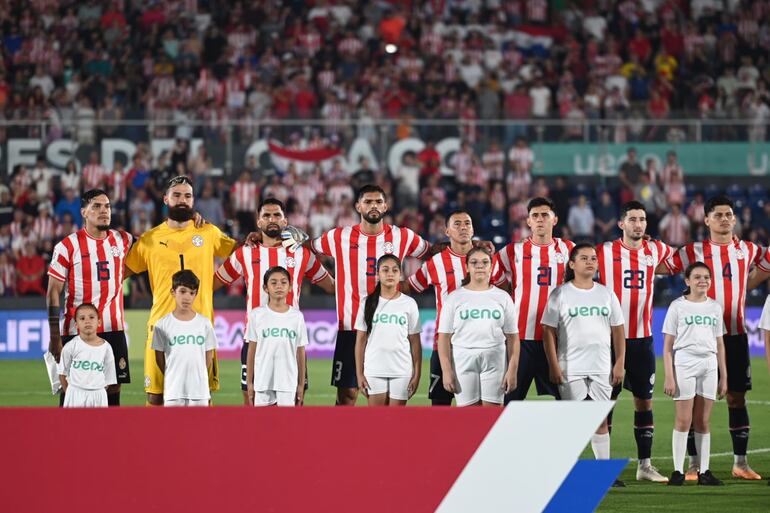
[
  {"x": 577, "y": 388},
  {"x": 700, "y": 379},
  {"x": 396, "y": 388},
  {"x": 185, "y": 402},
  {"x": 77, "y": 397},
  {"x": 480, "y": 374},
  {"x": 271, "y": 397}
]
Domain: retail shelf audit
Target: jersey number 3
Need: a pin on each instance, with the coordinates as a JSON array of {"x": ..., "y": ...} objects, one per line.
[{"x": 633, "y": 279}]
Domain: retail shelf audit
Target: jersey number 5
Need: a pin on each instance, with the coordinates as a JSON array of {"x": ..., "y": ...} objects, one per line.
[
  {"x": 102, "y": 270},
  {"x": 633, "y": 279}
]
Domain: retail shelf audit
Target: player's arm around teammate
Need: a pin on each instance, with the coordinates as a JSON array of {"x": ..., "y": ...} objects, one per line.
[
  {"x": 696, "y": 373},
  {"x": 476, "y": 330},
  {"x": 388, "y": 350}
]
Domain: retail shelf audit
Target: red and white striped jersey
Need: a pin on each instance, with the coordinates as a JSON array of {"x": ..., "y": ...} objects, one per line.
[
  {"x": 533, "y": 271},
  {"x": 118, "y": 186},
  {"x": 630, "y": 273},
  {"x": 445, "y": 271},
  {"x": 253, "y": 263},
  {"x": 730, "y": 265},
  {"x": 355, "y": 261},
  {"x": 92, "y": 271},
  {"x": 245, "y": 196},
  {"x": 537, "y": 11},
  {"x": 94, "y": 176},
  {"x": 44, "y": 228}
]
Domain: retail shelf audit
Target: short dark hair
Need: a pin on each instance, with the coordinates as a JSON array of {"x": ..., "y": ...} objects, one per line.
[
  {"x": 272, "y": 201},
  {"x": 718, "y": 201},
  {"x": 631, "y": 205},
  {"x": 185, "y": 278},
  {"x": 89, "y": 196},
  {"x": 272, "y": 271},
  {"x": 85, "y": 306},
  {"x": 457, "y": 212},
  {"x": 370, "y": 187},
  {"x": 540, "y": 202}
]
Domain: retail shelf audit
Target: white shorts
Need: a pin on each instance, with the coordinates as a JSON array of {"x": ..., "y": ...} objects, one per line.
[
  {"x": 578, "y": 388},
  {"x": 185, "y": 402},
  {"x": 396, "y": 388},
  {"x": 700, "y": 379},
  {"x": 271, "y": 397},
  {"x": 77, "y": 397},
  {"x": 479, "y": 374}
]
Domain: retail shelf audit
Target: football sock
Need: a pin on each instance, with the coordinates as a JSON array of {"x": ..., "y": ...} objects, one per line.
[
  {"x": 113, "y": 399},
  {"x": 609, "y": 421},
  {"x": 643, "y": 432},
  {"x": 600, "y": 444},
  {"x": 691, "y": 449},
  {"x": 678, "y": 448},
  {"x": 739, "y": 429},
  {"x": 703, "y": 443}
]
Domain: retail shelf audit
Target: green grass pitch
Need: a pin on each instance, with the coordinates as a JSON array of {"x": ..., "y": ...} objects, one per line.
[{"x": 24, "y": 383}]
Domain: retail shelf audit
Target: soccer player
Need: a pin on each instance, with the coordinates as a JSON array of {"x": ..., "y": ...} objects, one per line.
[
  {"x": 533, "y": 268},
  {"x": 253, "y": 262},
  {"x": 87, "y": 364},
  {"x": 276, "y": 337},
  {"x": 477, "y": 331},
  {"x": 764, "y": 325},
  {"x": 388, "y": 349},
  {"x": 693, "y": 353},
  {"x": 175, "y": 245},
  {"x": 184, "y": 344},
  {"x": 445, "y": 270},
  {"x": 582, "y": 319},
  {"x": 355, "y": 250},
  {"x": 88, "y": 266},
  {"x": 627, "y": 266},
  {"x": 730, "y": 262}
]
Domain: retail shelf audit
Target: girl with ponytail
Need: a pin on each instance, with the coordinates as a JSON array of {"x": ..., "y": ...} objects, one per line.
[
  {"x": 696, "y": 372},
  {"x": 388, "y": 350}
]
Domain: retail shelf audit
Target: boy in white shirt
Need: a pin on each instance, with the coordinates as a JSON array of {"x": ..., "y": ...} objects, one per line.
[
  {"x": 87, "y": 364},
  {"x": 277, "y": 336},
  {"x": 184, "y": 343}
]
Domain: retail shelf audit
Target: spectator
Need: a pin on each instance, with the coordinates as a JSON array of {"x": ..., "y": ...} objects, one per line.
[
  {"x": 69, "y": 204},
  {"x": 7, "y": 275},
  {"x": 430, "y": 161},
  {"x": 675, "y": 227},
  {"x": 94, "y": 174},
  {"x": 606, "y": 214},
  {"x": 581, "y": 219},
  {"x": 70, "y": 178},
  {"x": 245, "y": 200},
  {"x": 30, "y": 269},
  {"x": 629, "y": 175},
  {"x": 211, "y": 208}
]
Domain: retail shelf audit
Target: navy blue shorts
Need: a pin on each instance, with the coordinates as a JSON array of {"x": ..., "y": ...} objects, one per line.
[
  {"x": 738, "y": 363},
  {"x": 436, "y": 393},
  {"x": 640, "y": 368},
  {"x": 344, "y": 363},
  {"x": 533, "y": 365}
]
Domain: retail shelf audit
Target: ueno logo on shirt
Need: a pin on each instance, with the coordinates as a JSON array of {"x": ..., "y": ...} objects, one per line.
[
  {"x": 279, "y": 332},
  {"x": 384, "y": 318},
  {"x": 589, "y": 311},
  {"x": 700, "y": 320},
  {"x": 181, "y": 340},
  {"x": 88, "y": 365},
  {"x": 483, "y": 313}
]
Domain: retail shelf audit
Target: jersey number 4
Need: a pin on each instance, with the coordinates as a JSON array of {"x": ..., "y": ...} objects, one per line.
[{"x": 633, "y": 279}]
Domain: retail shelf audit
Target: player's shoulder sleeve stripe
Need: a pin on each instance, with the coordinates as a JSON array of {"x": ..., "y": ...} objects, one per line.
[
  {"x": 419, "y": 280},
  {"x": 315, "y": 269},
  {"x": 419, "y": 247}
]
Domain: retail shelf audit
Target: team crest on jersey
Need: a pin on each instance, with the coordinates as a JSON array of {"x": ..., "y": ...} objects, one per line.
[
  {"x": 197, "y": 241},
  {"x": 147, "y": 382},
  {"x": 122, "y": 363},
  {"x": 739, "y": 254},
  {"x": 559, "y": 258},
  {"x": 387, "y": 247},
  {"x": 290, "y": 262},
  {"x": 115, "y": 251}
]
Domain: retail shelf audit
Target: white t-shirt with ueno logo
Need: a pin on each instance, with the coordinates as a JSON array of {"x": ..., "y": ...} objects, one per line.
[
  {"x": 277, "y": 335},
  {"x": 695, "y": 327},
  {"x": 478, "y": 319},
  {"x": 764, "y": 320},
  {"x": 388, "y": 352},
  {"x": 86, "y": 366},
  {"x": 583, "y": 319},
  {"x": 185, "y": 344}
]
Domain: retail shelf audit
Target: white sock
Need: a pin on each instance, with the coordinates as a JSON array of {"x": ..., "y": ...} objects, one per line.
[
  {"x": 600, "y": 444},
  {"x": 645, "y": 462},
  {"x": 703, "y": 444},
  {"x": 679, "y": 449},
  {"x": 739, "y": 459}
]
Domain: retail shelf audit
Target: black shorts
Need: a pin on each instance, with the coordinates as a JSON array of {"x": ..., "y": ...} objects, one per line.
[
  {"x": 244, "y": 371},
  {"x": 640, "y": 368},
  {"x": 533, "y": 365},
  {"x": 738, "y": 363},
  {"x": 116, "y": 340},
  {"x": 436, "y": 393},
  {"x": 344, "y": 363}
]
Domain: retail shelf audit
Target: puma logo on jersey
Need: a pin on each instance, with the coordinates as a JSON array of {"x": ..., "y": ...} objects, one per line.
[
  {"x": 163, "y": 243},
  {"x": 256, "y": 261},
  {"x": 354, "y": 246}
]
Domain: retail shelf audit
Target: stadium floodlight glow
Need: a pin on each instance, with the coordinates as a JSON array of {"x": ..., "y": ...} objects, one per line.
[{"x": 391, "y": 48}]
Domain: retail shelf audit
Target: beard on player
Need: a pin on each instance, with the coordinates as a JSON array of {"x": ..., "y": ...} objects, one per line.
[
  {"x": 180, "y": 213},
  {"x": 372, "y": 217},
  {"x": 102, "y": 227},
  {"x": 272, "y": 230}
]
